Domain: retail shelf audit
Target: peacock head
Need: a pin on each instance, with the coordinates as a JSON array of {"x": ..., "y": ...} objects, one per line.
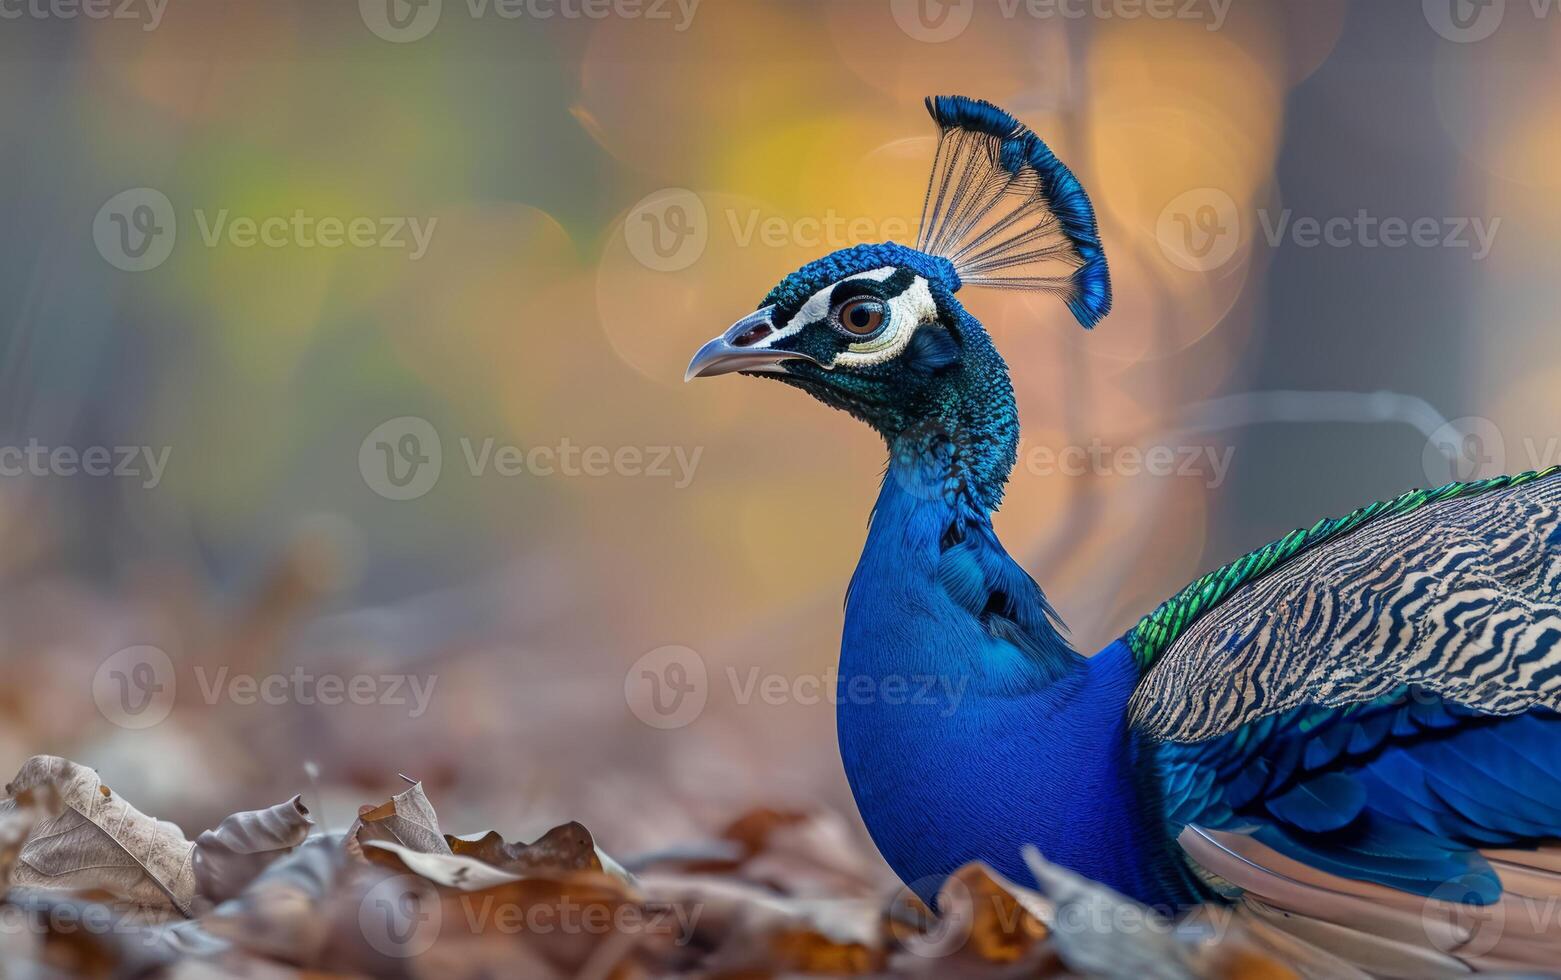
[{"x": 876, "y": 329}]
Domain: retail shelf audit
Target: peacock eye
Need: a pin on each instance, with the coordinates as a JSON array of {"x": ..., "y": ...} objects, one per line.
[{"x": 862, "y": 317}]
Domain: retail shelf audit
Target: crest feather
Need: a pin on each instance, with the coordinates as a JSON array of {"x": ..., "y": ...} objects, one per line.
[{"x": 1006, "y": 213}]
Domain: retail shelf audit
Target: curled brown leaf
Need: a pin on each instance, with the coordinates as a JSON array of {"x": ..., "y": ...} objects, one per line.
[{"x": 567, "y": 847}]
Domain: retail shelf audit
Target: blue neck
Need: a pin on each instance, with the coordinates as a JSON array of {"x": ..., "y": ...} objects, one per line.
[
  {"x": 964, "y": 431},
  {"x": 965, "y": 737}
]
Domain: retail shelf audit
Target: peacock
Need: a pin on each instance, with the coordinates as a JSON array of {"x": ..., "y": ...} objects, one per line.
[{"x": 1349, "y": 726}]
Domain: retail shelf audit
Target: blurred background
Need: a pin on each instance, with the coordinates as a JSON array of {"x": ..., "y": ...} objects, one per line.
[{"x": 342, "y": 424}]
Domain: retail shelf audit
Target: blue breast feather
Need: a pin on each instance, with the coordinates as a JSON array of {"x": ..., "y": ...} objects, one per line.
[{"x": 1025, "y": 742}]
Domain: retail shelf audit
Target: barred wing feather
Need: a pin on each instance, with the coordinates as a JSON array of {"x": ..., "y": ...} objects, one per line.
[
  {"x": 1461, "y": 598},
  {"x": 1378, "y": 711}
]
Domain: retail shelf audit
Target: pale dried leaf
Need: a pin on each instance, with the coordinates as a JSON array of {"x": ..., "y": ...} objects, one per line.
[
  {"x": 448, "y": 870},
  {"x": 98, "y": 841},
  {"x": 231, "y": 854},
  {"x": 16, "y": 825},
  {"x": 611, "y": 867},
  {"x": 1099, "y": 932},
  {"x": 408, "y": 819}
]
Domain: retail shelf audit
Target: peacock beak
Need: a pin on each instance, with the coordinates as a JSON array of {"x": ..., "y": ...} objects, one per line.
[{"x": 743, "y": 347}]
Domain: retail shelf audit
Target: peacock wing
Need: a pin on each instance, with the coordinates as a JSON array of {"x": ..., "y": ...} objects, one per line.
[{"x": 1373, "y": 700}]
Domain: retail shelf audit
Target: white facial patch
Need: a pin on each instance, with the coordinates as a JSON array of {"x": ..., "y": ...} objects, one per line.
[{"x": 907, "y": 311}]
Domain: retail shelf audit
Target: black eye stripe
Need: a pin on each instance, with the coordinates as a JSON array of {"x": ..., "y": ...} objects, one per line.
[{"x": 886, "y": 290}]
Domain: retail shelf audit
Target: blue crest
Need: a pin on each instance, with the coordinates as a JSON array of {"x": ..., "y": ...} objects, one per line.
[{"x": 1006, "y": 213}]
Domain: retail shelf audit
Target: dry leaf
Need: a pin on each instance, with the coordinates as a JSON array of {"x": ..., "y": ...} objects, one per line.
[
  {"x": 317, "y": 908},
  {"x": 752, "y": 830},
  {"x": 567, "y": 921},
  {"x": 407, "y": 818},
  {"x": 810, "y": 951},
  {"x": 749, "y": 928},
  {"x": 997, "y": 927},
  {"x": 280, "y": 914},
  {"x": 226, "y": 966},
  {"x": 567, "y": 847},
  {"x": 231, "y": 854},
  {"x": 487, "y": 957},
  {"x": 804, "y": 853},
  {"x": 1101, "y": 932},
  {"x": 89, "y": 934},
  {"x": 396, "y": 898},
  {"x": 99, "y": 841},
  {"x": 17, "y": 823},
  {"x": 446, "y": 870}
]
